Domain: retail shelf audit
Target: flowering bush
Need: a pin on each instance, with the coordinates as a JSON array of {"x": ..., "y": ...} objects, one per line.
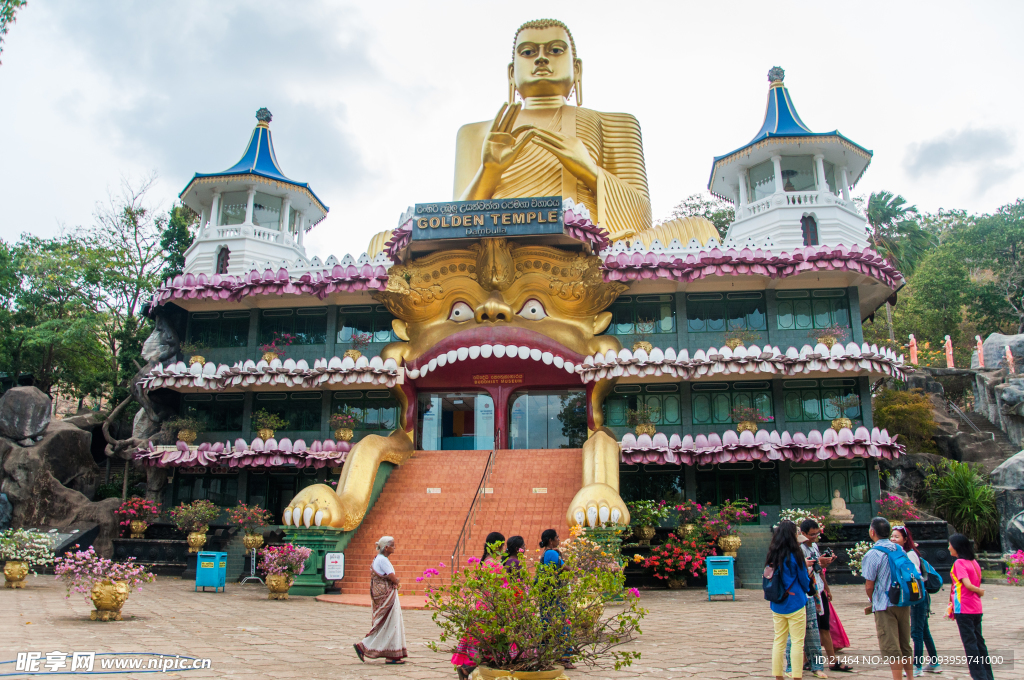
[
  {"x": 856, "y": 554},
  {"x": 835, "y": 331},
  {"x": 136, "y": 508},
  {"x": 677, "y": 558},
  {"x": 361, "y": 340},
  {"x": 22, "y": 545},
  {"x": 520, "y": 621},
  {"x": 250, "y": 518},
  {"x": 749, "y": 414},
  {"x": 896, "y": 508},
  {"x": 286, "y": 559},
  {"x": 194, "y": 516},
  {"x": 722, "y": 521},
  {"x": 690, "y": 512},
  {"x": 1015, "y": 568},
  {"x": 587, "y": 554},
  {"x": 277, "y": 345},
  {"x": 647, "y": 513},
  {"x": 344, "y": 419},
  {"x": 83, "y": 569}
]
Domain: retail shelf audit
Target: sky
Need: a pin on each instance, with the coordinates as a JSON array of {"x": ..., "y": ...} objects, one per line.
[{"x": 367, "y": 97}]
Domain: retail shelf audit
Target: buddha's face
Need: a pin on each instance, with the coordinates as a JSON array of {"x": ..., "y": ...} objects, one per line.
[{"x": 544, "y": 63}]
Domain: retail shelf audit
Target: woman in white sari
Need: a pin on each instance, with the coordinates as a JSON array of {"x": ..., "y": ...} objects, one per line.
[{"x": 387, "y": 637}]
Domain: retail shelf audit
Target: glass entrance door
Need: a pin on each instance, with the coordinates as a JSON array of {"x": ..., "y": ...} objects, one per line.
[
  {"x": 456, "y": 421},
  {"x": 548, "y": 420}
]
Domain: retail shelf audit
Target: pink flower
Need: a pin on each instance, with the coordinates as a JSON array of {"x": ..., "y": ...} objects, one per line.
[
  {"x": 418, "y": 579},
  {"x": 635, "y": 592}
]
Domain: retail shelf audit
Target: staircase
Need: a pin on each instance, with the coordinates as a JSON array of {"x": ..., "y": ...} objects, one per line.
[
  {"x": 425, "y": 502},
  {"x": 750, "y": 557},
  {"x": 989, "y": 447}
]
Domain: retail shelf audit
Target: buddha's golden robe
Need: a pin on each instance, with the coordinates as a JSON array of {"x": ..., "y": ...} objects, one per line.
[{"x": 622, "y": 204}]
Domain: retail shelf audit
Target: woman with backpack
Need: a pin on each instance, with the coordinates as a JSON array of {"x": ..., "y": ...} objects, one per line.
[
  {"x": 965, "y": 605},
  {"x": 919, "y": 612},
  {"x": 786, "y": 582}
]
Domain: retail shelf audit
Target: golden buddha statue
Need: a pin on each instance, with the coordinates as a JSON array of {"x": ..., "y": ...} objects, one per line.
[{"x": 544, "y": 146}]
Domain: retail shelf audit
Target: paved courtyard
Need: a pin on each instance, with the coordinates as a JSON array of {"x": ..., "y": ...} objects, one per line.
[{"x": 248, "y": 636}]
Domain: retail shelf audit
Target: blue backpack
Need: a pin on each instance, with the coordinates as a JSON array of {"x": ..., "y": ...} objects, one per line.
[
  {"x": 932, "y": 580},
  {"x": 906, "y": 586}
]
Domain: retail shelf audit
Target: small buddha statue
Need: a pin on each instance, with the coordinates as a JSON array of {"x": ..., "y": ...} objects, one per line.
[{"x": 839, "y": 512}]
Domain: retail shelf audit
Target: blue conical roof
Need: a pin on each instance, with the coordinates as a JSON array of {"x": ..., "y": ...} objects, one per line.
[{"x": 780, "y": 116}]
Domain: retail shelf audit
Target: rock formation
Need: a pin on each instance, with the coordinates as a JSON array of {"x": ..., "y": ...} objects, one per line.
[
  {"x": 1008, "y": 480},
  {"x": 24, "y": 414}
]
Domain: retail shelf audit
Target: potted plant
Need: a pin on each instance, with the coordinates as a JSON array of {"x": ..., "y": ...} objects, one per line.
[
  {"x": 282, "y": 563},
  {"x": 676, "y": 559},
  {"x": 343, "y": 424},
  {"x": 194, "y": 518},
  {"x": 644, "y": 516},
  {"x": 642, "y": 418},
  {"x": 22, "y": 551},
  {"x": 689, "y": 514},
  {"x": 194, "y": 351},
  {"x": 724, "y": 521},
  {"x": 137, "y": 513},
  {"x": 358, "y": 344},
  {"x": 830, "y": 335},
  {"x": 841, "y": 403},
  {"x": 105, "y": 583},
  {"x": 250, "y": 518},
  {"x": 266, "y": 423},
  {"x": 734, "y": 339},
  {"x": 527, "y": 625},
  {"x": 184, "y": 428},
  {"x": 276, "y": 347},
  {"x": 855, "y": 556},
  {"x": 643, "y": 329},
  {"x": 747, "y": 418}
]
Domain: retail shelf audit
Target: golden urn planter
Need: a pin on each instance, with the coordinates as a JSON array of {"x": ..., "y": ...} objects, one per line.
[
  {"x": 827, "y": 340},
  {"x": 646, "y": 428},
  {"x": 187, "y": 436},
  {"x": 196, "y": 540},
  {"x": 840, "y": 423},
  {"x": 485, "y": 673},
  {"x": 676, "y": 583},
  {"x": 197, "y": 359},
  {"x": 344, "y": 434},
  {"x": 729, "y": 544},
  {"x": 269, "y": 356},
  {"x": 265, "y": 433},
  {"x": 353, "y": 354},
  {"x": 746, "y": 426},
  {"x": 733, "y": 343},
  {"x": 278, "y": 585},
  {"x": 108, "y": 597},
  {"x": 15, "y": 572},
  {"x": 252, "y": 541},
  {"x": 643, "y": 535},
  {"x": 644, "y": 345},
  {"x": 139, "y": 528}
]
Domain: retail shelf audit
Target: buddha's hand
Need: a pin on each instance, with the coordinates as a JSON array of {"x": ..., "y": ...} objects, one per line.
[
  {"x": 595, "y": 504},
  {"x": 316, "y": 505},
  {"x": 571, "y": 152},
  {"x": 500, "y": 148}
]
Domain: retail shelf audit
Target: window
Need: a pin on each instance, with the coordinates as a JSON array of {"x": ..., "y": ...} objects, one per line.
[
  {"x": 643, "y": 314},
  {"x": 223, "y": 255},
  {"x": 808, "y": 309},
  {"x": 300, "y": 409},
  {"x": 376, "y": 410},
  {"x": 219, "y": 329},
  {"x": 266, "y": 211},
  {"x": 814, "y": 483},
  {"x": 757, "y": 482},
  {"x": 637, "y": 483},
  {"x": 308, "y": 325},
  {"x": 222, "y": 490},
  {"x": 222, "y": 412},
  {"x": 722, "y": 312},
  {"x": 810, "y": 230},
  {"x": 798, "y": 173},
  {"x": 232, "y": 207},
  {"x": 374, "y": 321},
  {"x": 547, "y": 420},
  {"x": 761, "y": 181},
  {"x": 809, "y": 400},
  {"x": 713, "y": 403},
  {"x": 664, "y": 397}
]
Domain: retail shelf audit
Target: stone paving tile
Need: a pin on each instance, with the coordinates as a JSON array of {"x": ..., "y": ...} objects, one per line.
[{"x": 248, "y": 636}]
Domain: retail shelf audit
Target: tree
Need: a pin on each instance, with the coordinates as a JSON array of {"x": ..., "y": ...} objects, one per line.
[
  {"x": 176, "y": 239},
  {"x": 8, "y": 8},
  {"x": 718, "y": 212},
  {"x": 938, "y": 291}
]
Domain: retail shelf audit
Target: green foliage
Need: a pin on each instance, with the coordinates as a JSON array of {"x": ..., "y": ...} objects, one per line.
[
  {"x": 176, "y": 239},
  {"x": 907, "y": 413},
  {"x": 646, "y": 513},
  {"x": 962, "y": 495},
  {"x": 194, "y": 516},
  {"x": 265, "y": 420},
  {"x": 894, "y": 231},
  {"x": 718, "y": 212},
  {"x": 8, "y": 8},
  {"x": 936, "y": 295},
  {"x": 173, "y": 425}
]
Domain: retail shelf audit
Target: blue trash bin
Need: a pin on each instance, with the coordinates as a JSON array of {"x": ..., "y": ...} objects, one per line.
[
  {"x": 211, "y": 570},
  {"x": 720, "y": 576}
]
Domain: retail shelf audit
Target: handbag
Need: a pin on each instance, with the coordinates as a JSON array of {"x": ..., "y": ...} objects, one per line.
[{"x": 839, "y": 638}]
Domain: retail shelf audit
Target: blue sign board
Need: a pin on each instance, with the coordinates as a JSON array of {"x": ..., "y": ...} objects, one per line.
[{"x": 494, "y": 217}]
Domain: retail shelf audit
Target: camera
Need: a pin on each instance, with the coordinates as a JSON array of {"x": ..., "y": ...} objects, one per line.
[
  {"x": 816, "y": 567},
  {"x": 827, "y": 552}
]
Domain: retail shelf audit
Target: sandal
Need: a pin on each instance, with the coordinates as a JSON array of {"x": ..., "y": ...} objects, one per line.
[
  {"x": 395, "y": 661},
  {"x": 844, "y": 668},
  {"x": 359, "y": 652},
  {"x": 819, "y": 674}
]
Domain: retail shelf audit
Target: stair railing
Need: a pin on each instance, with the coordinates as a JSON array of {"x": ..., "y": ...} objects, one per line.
[
  {"x": 462, "y": 542},
  {"x": 953, "y": 408}
]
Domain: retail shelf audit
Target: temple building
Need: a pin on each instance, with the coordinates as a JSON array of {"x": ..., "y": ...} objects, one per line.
[{"x": 717, "y": 368}]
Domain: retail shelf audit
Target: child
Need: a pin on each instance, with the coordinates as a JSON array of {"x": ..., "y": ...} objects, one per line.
[{"x": 965, "y": 605}]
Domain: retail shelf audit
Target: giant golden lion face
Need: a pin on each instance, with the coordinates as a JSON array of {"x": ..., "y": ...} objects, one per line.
[{"x": 546, "y": 300}]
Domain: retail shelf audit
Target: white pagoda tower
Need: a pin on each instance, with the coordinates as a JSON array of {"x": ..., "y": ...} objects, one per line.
[
  {"x": 250, "y": 214},
  {"x": 791, "y": 186}
]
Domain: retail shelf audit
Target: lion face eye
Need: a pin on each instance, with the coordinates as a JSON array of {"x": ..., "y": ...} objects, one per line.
[
  {"x": 460, "y": 312},
  {"x": 533, "y": 310}
]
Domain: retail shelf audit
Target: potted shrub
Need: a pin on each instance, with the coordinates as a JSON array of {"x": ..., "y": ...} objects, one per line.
[
  {"x": 830, "y": 335},
  {"x": 137, "y": 513},
  {"x": 747, "y": 418},
  {"x": 105, "y": 583},
  {"x": 642, "y": 418},
  {"x": 184, "y": 428},
  {"x": 282, "y": 563},
  {"x": 358, "y": 344},
  {"x": 678, "y": 558},
  {"x": 528, "y": 625},
  {"x": 643, "y": 329},
  {"x": 343, "y": 424},
  {"x": 644, "y": 516},
  {"x": 194, "y": 518},
  {"x": 266, "y": 423},
  {"x": 194, "y": 351},
  {"x": 22, "y": 551},
  {"x": 723, "y": 523},
  {"x": 734, "y": 339},
  {"x": 276, "y": 347},
  {"x": 250, "y": 518},
  {"x": 841, "y": 404},
  {"x": 690, "y": 513}
]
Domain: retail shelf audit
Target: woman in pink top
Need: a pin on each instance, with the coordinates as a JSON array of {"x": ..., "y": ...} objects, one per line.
[{"x": 965, "y": 597}]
